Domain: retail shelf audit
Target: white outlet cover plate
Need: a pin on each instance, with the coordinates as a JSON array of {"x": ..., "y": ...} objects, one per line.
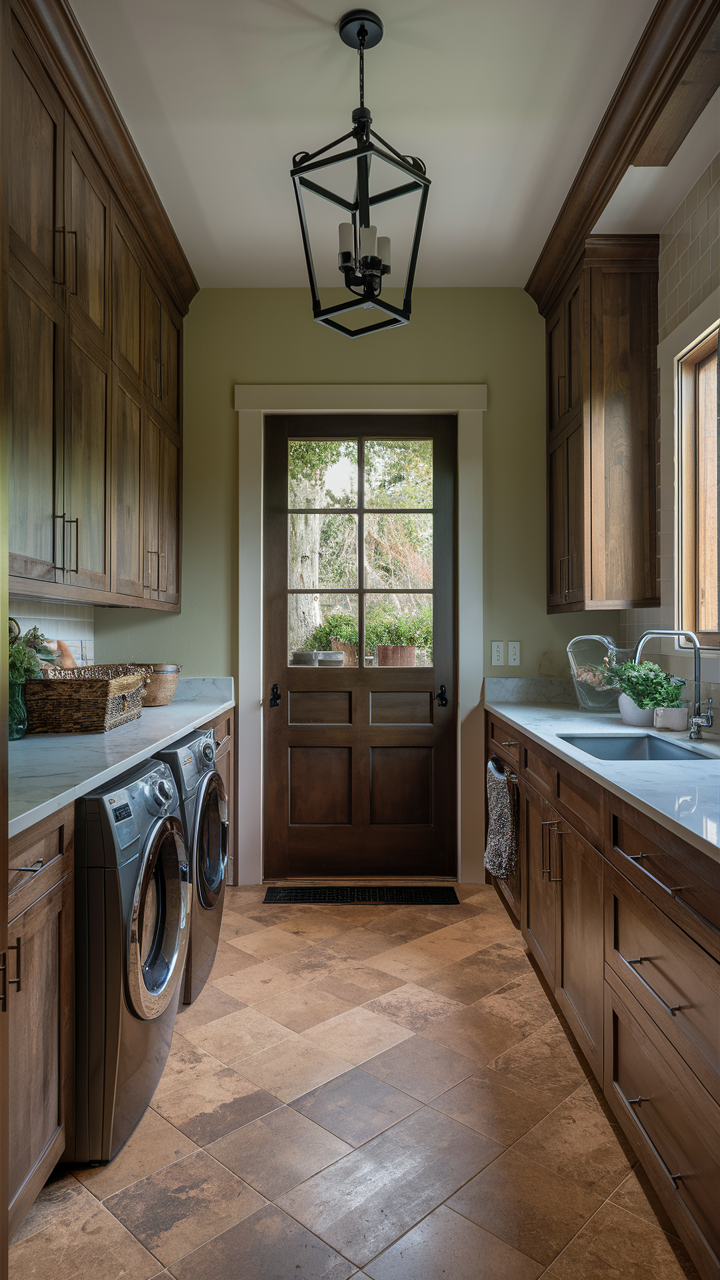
[
  {"x": 498, "y": 653},
  {"x": 513, "y": 653}
]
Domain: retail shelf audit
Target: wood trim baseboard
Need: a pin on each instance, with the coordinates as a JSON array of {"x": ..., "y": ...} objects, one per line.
[
  {"x": 63, "y": 46},
  {"x": 668, "y": 44}
]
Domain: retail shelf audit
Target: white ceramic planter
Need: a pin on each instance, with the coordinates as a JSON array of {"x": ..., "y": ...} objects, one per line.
[
  {"x": 671, "y": 718},
  {"x": 632, "y": 714}
]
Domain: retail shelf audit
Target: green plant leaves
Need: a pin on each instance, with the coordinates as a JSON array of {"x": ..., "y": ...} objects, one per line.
[{"x": 648, "y": 685}]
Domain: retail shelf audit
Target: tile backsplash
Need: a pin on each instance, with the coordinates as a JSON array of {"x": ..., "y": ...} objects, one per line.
[{"x": 73, "y": 623}]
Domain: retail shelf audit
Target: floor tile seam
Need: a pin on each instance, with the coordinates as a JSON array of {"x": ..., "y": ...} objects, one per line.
[
  {"x": 228, "y": 1065},
  {"x": 608, "y": 1200},
  {"x": 191, "y": 1155},
  {"x": 420, "y": 1107},
  {"x": 160, "y": 1169}
]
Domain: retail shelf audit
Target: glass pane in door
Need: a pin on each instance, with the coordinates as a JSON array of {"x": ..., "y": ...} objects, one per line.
[
  {"x": 322, "y": 474},
  {"x": 322, "y": 550},
  {"x": 398, "y": 550},
  {"x": 399, "y": 629},
  {"x": 399, "y": 475},
  {"x": 321, "y": 622}
]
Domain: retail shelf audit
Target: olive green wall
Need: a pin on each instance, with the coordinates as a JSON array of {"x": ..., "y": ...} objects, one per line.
[{"x": 266, "y": 336}]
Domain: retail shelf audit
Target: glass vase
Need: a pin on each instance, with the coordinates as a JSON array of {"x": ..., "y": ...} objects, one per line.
[{"x": 17, "y": 713}]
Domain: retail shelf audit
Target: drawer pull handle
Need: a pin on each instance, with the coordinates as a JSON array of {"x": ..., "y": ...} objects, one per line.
[
  {"x": 33, "y": 870},
  {"x": 635, "y": 1102},
  {"x": 670, "y": 1008},
  {"x": 551, "y": 823},
  {"x": 508, "y": 744},
  {"x": 222, "y": 742},
  {"x": 678, "y": 1177},
  {"x": 635, "y": 857}
]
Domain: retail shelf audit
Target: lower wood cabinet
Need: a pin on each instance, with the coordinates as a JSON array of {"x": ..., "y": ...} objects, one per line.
[
  {"x": 562, "y": 918},
  {"x": 224, "y": 730},
  {"x": 622, "y": 917},
  {"x": 40, "y": 1005},
  {"x": 671, "y": 1121}
]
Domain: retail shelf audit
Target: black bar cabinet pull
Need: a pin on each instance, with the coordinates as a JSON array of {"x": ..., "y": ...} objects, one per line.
[{"x": 16, "y": 981}]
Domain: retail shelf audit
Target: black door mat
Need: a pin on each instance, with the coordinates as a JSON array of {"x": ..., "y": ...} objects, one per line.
[{"x": 423, "y": 895}]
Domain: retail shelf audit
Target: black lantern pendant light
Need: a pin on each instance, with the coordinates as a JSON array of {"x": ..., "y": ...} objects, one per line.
[{"x": 364, "y": 257}]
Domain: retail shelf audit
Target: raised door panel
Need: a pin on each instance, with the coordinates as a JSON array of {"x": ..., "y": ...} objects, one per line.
[
  {"x": 170, "y": 363},
  {"x": 150, "y": 445},
  {"x": 539, "y": 903},
  {"x": 574, "y": 350},
  {"x": 33, "y": 398},
  {"x": 86, "y": 436},
  {"x": 87, "y": 205},
  {"x": 152, "y": 348},
  {"x": 624, "y": 411},
  {"x": 128, "y": 530},
  {"x": 575, "y": 575},
  {"x": 40, "y": 1075},
  {"x": 34, "y": 172},
  {"x": 557, "y": 525},
  {"x": 169, "y": 521},
  {"x": 577, "y": 869},
  {"x": 555, "y": 368},
  {"x": 127, "y": 279}
]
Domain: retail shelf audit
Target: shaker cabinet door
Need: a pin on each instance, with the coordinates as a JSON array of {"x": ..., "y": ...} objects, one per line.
[
  {"x": 539, "y": 904},
  {"x": 34, "y": 409},
  {"x": 85, "y": 488},
  {"x": 127, "y": 492},
  {"x": 578, "y": 877},
  {"x": 87, "y": 232}
]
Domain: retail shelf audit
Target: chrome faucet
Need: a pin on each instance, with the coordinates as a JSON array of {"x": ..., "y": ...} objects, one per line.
[{"x": 698, "y": 721}]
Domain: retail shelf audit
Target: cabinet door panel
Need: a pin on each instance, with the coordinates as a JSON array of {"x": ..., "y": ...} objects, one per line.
[
  {"x": 169, "y": 511},
  {"x": 128, "y": 555},
  {"x": 556, "y": 388},
  {"x": 87, "y": 205},
  {"x": 34, "y": 411},
  {"x": 152, "y": 326},
  {"x": 574, "y": 351},
  {"x": 34, "y": 181},
  {"x": 85, "y": 470},
  {"x": 127, "y": 302},
  {"x": 40, "y": 1043},
  {"x": 151, "y": 507},
  {"x": 170, "y": 368},
  {"x": 575, "y": 515},
  {"x": 539, "y": 922},
  {"x": 557, "y": 525},
  {"x": 580, "y": 963}
]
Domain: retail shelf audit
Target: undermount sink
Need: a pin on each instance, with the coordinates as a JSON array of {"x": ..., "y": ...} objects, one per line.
[{"x": 621, "y": 746}]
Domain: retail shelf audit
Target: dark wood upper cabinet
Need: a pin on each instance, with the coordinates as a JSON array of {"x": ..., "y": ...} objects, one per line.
[
  {"x": 601, "y": 416},
  {"x": 34, "y": 140},
  {"x": 33, "y": 396},
  {"x": 93, "y": 334},
  {"x": 87, "y": 238},
  {"x": 85, "y": 467}
]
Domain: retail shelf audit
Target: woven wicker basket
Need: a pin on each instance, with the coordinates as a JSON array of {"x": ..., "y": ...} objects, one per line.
[{"x": 86, "y": 699}]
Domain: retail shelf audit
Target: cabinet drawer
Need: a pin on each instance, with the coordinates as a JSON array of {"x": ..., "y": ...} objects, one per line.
[
  {"x": 669, "y": 873},
  {"x": 673, "y": 1123},
  {"x": 503, "y": 739},
  {"x": 581, "y": 802},
  {"x": 38, "y": 859},
  {"x": 674, "y": 980}
]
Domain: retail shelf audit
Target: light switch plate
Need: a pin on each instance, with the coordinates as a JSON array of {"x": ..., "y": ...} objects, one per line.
[
  {"x": 498, "y": 653},
  {"x": 513, "y": 653}
]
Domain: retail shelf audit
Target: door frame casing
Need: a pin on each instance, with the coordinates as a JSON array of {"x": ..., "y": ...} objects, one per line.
[{"x": 468, "y": 403}]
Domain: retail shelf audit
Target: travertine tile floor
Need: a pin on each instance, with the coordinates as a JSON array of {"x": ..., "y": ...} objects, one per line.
[{"x": 382, "y": 1092}]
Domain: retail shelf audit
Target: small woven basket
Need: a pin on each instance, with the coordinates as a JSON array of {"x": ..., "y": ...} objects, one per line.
[{"x": 86, "y": 699}]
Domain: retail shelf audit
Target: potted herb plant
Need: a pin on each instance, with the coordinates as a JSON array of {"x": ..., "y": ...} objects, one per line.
[
  {"x": 646, "y": 689},
  {"x": 396, "y": 637},
  {"x": 25, "y": 652},
  {"x": 338, "y": 631}
]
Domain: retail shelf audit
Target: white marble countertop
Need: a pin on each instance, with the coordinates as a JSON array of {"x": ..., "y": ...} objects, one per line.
[
  {"x": 48, "y": 771},
  {"x": 685, "y": 798}
]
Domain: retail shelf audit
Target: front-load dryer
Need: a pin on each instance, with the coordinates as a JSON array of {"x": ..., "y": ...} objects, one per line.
[
  {"x": 132, "y": 924},
  {"x": 205, "y": 811}
]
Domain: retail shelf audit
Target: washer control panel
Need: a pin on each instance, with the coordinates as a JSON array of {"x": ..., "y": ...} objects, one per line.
[{"x": 129, "y": 806}]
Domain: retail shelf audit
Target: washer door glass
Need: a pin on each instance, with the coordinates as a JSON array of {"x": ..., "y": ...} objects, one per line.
[
  {"x": 211, "y": 839},
  {"x": 159, "y": 925}
]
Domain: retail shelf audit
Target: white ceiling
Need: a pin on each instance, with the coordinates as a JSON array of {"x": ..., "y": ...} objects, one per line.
[{"x": 500, "y": 100}]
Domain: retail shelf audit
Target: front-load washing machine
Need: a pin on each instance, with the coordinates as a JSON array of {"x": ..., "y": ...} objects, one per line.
[
  {"x": 133, "y": 899},
  {"x": 205, "y": 812}
]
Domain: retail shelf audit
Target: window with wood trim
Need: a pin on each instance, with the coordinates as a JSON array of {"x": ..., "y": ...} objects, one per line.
[{"x": 699, "y": 491}]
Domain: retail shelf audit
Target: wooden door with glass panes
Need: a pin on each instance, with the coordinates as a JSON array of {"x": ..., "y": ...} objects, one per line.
[{"x": 359, "y": 665}]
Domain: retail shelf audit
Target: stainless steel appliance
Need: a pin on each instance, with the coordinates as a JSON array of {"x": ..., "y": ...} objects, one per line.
[
  {"x": 132, "y": 923},
  {"x": 205, "y": 816}
]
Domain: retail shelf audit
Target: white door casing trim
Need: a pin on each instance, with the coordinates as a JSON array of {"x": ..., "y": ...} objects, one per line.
[{"x": 468, "y": 402}]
